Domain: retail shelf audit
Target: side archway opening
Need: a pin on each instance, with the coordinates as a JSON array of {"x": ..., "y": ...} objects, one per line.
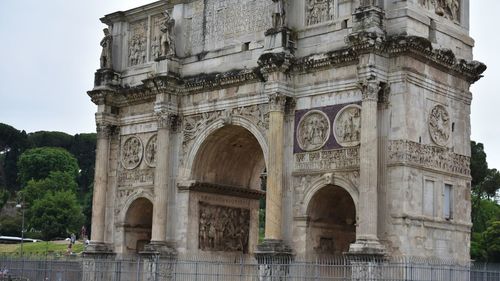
[
  {"x": 332, "y": 221},
  {"x": 138, "y": 224}
]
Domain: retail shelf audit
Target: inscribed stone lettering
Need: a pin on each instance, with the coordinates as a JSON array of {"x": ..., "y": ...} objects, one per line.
[{"x": 223, "y": 228}]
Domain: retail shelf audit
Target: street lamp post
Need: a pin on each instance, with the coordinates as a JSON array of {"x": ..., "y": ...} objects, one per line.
[{"x": 21, "y": 206}]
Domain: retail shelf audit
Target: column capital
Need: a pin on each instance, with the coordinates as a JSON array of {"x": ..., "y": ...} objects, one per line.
[
  {"x": 167, "y": 120},
  {"x": 277, "y": 102},
  {"x": 104, "y": 130},
  {"x": 369, "y": 90}
]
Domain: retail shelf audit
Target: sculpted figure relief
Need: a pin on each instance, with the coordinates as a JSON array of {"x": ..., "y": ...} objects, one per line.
[
  {"x": 151, "y": 149},
  {"x": 279, "y": 14},
  {"x": 347, "y": 126},
  {"x": 132, "y": 153},
  {"x": 318, "y": 11},
  {"x": 439, "y": 125},
  {"x": 107, "y": 45},
  {"x": 137, "y": 43},
  {"x": 223, "y": 228},
  {"x": 167, "y": 42},
  {"x": 313, "y": 130},
  {"x": 449, "y": 9}
]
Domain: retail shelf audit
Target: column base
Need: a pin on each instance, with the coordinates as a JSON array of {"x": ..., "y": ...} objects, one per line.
[
  {"x": 367, "y": 248},
  {"x": 98, "y": 248},
  {"x": 161, "y": 248}
]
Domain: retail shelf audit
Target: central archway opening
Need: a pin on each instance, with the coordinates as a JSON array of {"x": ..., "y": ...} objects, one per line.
[
  {"x": 332, "y": 221},
  {"x": 224, "y": 199},
  {"x": 138, "y": 223}
]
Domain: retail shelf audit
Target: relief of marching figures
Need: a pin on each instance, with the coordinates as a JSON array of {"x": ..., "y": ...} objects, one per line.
[
  {"x": 449, "y": 9},
  {"x": 223, "y": 228}
]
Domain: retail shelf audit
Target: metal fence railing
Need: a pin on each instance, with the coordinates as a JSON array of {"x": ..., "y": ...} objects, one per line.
[{"x": 244, "y": 268}]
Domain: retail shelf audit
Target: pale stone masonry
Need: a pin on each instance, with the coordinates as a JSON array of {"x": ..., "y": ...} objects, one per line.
[{"x": 349, "y": 119}]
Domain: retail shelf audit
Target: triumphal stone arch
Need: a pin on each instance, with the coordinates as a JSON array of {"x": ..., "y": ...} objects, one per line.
[{"x": 349, "y": 119}]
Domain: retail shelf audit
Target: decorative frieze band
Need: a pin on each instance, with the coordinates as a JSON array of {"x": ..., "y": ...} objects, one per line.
[
  {"x": 327, "y": 160},
  {"x": 403, "y": 152}
]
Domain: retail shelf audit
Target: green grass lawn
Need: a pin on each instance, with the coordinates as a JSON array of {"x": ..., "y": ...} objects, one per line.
[{"x": 56, "y": 248}]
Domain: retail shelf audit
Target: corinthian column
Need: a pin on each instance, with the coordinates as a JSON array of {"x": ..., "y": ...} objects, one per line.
[
  {"x": 158, "y": 235},
  {"x": 275, "y": 167},
  {"x": 366, "y": 234},
  {"x": 100, "y": 183}
]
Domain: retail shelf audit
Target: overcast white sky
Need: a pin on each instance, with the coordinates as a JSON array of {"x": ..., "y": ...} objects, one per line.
[{"x": 50, "y": 50}]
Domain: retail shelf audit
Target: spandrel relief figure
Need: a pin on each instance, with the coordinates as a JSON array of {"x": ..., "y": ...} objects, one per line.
[
  {"x": 155, "y": 47},
  {"x": 167, "y": 42},
  {"x": 107, "y": 45}
]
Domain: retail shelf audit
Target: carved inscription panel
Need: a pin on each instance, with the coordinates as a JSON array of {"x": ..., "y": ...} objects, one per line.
[
  {"x": 223, "y": 228},
  {"x": 224, "y": 20}
]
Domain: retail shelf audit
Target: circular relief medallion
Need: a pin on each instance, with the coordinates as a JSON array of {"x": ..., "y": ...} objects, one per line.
[
  {"x": 313, "y": 130},
  {"x": 131, "y": 153},
  {"x": 439, "y": 125},
  {"x": 150, "y": 153},
  {"x": 347, "y": 126}
]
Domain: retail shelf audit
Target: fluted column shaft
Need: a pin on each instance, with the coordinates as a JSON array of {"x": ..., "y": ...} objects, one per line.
[
  {"x": 162, "y": 174},
  {"x": 275, "y": 167},
  {"x": 100, "y": 183},
  {"x": 368, "y": 207}
]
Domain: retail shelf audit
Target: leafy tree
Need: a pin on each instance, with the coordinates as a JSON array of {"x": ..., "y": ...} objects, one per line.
[
  {"x": 12, "y": 143},
  {"x": 83, "y": 148},
  {"x": 37, "y": 163},
  {"x": 56, "y": 181},
  {"x": 10, "y": 226},
  {"x": 492, "y": 241},
  {"x": 57, "y": 214},
  {"x": 485, "y": 212},
  {"x": 50, "y": 139}
]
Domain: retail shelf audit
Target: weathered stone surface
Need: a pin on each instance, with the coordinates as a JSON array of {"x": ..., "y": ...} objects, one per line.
[{"x": 202, "y": 103}]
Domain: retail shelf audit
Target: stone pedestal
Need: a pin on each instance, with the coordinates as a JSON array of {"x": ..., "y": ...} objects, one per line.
[
  {"x": 159, "y": 261},
  {"x": 98, "y": 262},
  {"x": 274, "y": 258}
]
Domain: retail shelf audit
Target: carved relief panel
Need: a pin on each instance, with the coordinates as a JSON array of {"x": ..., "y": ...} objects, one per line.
[
  {"x": 151, "y": 150},
  {"x": 313, "y": 130},
  {"x": 133, "y": 171},
  {"x": 155, "y": 36},
  {"x": 439, "y": 125},
  {"x": 137, "y": 43},
  {"x": 131, "y": 153},
  {"x": 347, "y": 126},
  {"x": 449, "y": 9},
  {"x": 223, "y": 228},
  {"x": 318, "y": 11}
]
